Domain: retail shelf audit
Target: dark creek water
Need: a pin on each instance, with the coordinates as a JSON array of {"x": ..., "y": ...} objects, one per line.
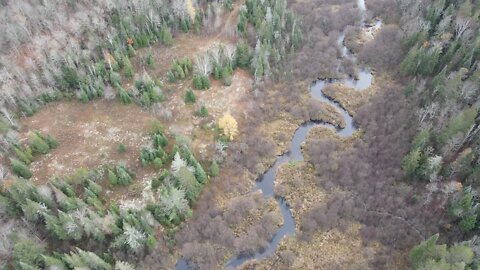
[{"x": 265, "y": 183}]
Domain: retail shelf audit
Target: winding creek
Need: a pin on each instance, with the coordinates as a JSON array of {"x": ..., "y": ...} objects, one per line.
[{"x": 265, "y": 182}]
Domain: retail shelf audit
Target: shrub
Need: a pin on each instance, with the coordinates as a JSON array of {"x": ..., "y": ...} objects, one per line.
[
  {"x": 166, "y": 36},
  {"x": 130, "y": 51},
  {"x": 227, "y": 81},
  {"x": 150, "y": 61},
  {"x": 190, "y": 97},
  {"x": 122, "y": 148},
  {"x": 70, "y": 78},
  {"x": 156, "y": 182},
  {"x": 115, "y": 78},
  {"x": 4, "y": 127},
  {"x": 156, "y": 127},
  {"x": 20, "y": 169},
  {"x": 158, "y": 163}
]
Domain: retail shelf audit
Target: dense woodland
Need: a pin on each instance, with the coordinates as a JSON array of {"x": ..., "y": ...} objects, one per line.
[{"x": 410, "y": 179}]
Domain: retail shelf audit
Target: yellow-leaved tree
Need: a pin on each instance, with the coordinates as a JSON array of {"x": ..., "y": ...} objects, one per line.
[{"x": 229, "y": 125}]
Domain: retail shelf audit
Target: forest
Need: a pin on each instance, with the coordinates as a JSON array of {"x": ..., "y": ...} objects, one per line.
[{"x": 239, "y": 134}]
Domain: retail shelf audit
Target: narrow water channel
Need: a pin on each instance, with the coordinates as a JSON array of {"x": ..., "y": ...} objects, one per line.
[{"x": 265, "y": 183}]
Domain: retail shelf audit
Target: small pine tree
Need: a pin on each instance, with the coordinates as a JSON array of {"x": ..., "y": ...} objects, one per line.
[
  {"x": 158, "y": 163},
  {"x": 125, "y": 97},
  {"x": 203, "y": 112},
  {"x": 51, "y": 141},
  {"x": 38, "y": 144},
  {"x": 214, "y": 169},
  {"x": 127, "y": 68},
  {"x": 112, "y": 178},
  {"x": 165, "y": 36},
  {"x": 20, "y": 169},
  {"x": 123, "y": 175},
  {"x": 83, "y": 97},
  {"x": 187, "y": 181},
  {"x": 151, "y": 242},
  {"x": 122, "y": 148},
  {"x": 242, "y": 55},
  {"x": 197, "y": 82},
  {"x": 28, "y": 252},
  {"x": 150, "y": 61},
  {"x": 184, "y": 25},
  {"x": 130, "y": 51},
  {"x": 171, "y": 77},
  {"x": 23, "y": 155},
  {"x": 205, "y": 82},
  {"x": 190, "y": 97}
]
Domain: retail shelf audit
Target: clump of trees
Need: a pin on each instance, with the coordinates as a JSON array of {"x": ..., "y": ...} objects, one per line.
[
  {"x": 38, "y": 144},
  {"x": 180, "y": 70},
  {"x": 66, "y": 215},
  {"x": 218, "y": 61},
  {"x": 146, "y": 91},
  {"x": 277, "y": 32},
  {"x": 430, "y": 255},
  {"x": 120, "y": 176},
  {"x": 464, "y": 209},
  {"x": 155, "y": 154}
]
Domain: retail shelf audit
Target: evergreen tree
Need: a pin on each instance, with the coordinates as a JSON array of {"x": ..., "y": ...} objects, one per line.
[
  {"x": 166, "y": 36},
  {"x": 122, "y": 148},
  {"x": 27, "y": 252},
  {"x": 20, "y": 169},
  {"x": 190, "y": 97},
  {"x": 242, "y": 55},
  {"x": 37, "y": 143},
  {"x": 127, "y": 68},
  {"x": 85, "y": 259},
  {"x": 51, "y": 141},
  {"x": 150, "y": 61},
  {"x": 429, "y": 255},
  {"x": 24, "y": 154},
  {"x": 203, "y": 112},
  {"x": 205, "y": 82},
  {"x": 112, "y": 178},
  {"x": 123, "y": 175},
  {"x": 197, "y": 82},
  {"x": 214, "y": 169},
  {"x": 189, "y": 183},
  {"x": 33, "y": 211}
]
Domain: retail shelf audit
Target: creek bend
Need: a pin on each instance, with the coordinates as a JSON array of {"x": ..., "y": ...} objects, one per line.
[{"x": 265, "y": 183}]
